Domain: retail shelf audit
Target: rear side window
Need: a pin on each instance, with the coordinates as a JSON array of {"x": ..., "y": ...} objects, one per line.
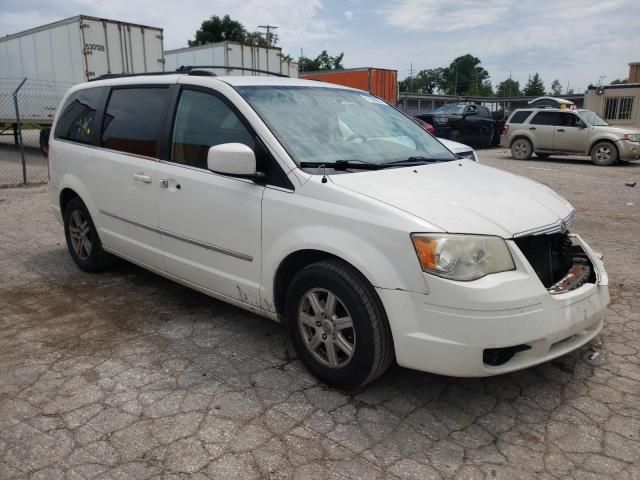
[
  {"x": 519, "y": 117},
  {"x": 202, "y": 121},
  {"x": 544, "y": 118},
  {"x": 78, "y": 119},
  {"x": 133, "y": 120}
]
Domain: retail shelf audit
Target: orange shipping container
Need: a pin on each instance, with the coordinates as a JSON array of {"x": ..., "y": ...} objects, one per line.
[{"x": 378, "y": 81}]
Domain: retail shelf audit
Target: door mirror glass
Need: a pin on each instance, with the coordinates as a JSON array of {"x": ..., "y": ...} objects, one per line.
[{"x": 232, "y": 159}]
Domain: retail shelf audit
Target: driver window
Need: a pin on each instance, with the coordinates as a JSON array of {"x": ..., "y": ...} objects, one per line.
[{"x": 202, "y": 121}]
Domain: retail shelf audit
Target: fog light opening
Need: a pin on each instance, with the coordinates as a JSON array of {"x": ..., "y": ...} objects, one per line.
[{"x": 499, "y": 356}]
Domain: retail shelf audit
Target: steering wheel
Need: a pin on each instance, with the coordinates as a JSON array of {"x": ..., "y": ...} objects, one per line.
[{"x": 355, "y": 136}]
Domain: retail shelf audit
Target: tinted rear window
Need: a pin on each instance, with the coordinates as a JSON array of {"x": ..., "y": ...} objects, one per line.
[
  {"x": 544, "y": 118},
  {"x": 78, "y": 119},
  {"x": 133, "y": 120},
  {"x": 519, "y": 117}
]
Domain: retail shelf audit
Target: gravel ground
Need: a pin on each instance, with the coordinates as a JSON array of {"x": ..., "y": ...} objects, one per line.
[{"x": 127, "y": 375}]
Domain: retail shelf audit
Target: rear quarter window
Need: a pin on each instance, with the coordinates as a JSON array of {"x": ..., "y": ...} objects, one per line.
[
  {"x": 519, "y": 117},
  {"x": 78, "y": 119}
]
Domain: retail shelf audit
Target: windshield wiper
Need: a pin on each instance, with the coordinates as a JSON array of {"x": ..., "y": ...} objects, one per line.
[
  {"x": 415, "y": 160},
  {"x": 342, "y": 165}
]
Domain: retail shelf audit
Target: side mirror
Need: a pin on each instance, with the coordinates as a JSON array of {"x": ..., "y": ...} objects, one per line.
[{"x": 234, "y": 159}]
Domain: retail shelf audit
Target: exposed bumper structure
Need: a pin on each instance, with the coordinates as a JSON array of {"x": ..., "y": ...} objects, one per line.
[{"x": 455, "y": 328}]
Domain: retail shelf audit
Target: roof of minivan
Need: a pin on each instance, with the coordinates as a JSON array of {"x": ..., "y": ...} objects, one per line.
[{"x": 247, "y": 80}]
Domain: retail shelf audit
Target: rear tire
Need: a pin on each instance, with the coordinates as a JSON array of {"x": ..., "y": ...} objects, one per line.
[
  {"x": 604, "y": 154},
  {"x": 82, "y": 237},
  {"x": 521, "y": 149},
  {"x": 337, "y": 325}
]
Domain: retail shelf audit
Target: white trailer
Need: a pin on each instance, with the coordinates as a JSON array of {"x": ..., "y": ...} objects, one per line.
[
  {"x": 56, "y": 56},
  {"x": 230, "y": 55}
]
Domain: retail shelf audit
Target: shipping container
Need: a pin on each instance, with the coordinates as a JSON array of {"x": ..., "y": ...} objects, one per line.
[
  {"x": 230, "y": 55},
  {"x": 380, "y": 82},
  {"x": 56, "y": 56}
]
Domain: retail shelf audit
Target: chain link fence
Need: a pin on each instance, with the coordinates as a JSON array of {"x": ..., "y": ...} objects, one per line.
[{"x": 27, "y": 108}]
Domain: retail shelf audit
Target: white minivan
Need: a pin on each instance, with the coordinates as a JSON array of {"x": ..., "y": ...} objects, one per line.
[{"x": 327, "y": 209}]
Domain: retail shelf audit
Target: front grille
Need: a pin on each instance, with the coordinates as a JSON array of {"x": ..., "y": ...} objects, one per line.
[{"x": 552, "y": 257}]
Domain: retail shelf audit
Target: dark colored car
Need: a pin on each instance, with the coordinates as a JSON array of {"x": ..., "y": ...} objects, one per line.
[{"x": 471, "y": 124}]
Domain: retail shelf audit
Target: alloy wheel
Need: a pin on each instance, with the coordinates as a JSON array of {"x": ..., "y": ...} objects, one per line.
[
  {"x": 521, "y": 149},
  {"x": 603, "y": 153},
  {"x": 326, "y": 328},
  {"x": 80, "y": 234}
]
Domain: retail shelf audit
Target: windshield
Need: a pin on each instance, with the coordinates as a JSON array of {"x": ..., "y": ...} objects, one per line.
[
  {"x": 592, "y": 118},
  {"x": 451, "y": 108},
  {"x": 319, "y": 125}
]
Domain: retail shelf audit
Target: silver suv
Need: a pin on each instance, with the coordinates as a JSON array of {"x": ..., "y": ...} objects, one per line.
[{"x": 555, "y": 131}]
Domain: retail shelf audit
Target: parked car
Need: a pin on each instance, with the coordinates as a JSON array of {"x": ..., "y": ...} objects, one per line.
[
  {"x": 471, "y": 124},
  {"x": 361, "y": 232},
  {"x": 555, "y": 131},
  {"x": 458, "y": 148}
]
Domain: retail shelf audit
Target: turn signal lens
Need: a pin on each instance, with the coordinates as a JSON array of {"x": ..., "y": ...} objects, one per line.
[{"x": 426, "y": 250}]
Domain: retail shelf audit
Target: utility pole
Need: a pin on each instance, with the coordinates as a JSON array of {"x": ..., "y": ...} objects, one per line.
[
  {"x": 268, "y": 35},
  {"x": 411, "y": 77},
  {"x": 510, "y": 82},
  {"x": 455, "y": 86}
]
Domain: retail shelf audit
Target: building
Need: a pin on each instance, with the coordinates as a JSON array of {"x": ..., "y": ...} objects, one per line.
[{"x": 618, "y": 104}]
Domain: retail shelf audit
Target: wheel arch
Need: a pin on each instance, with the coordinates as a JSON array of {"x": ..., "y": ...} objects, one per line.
[
  {"x": 296, "y": 261},
  {"x": 521, "y": 136},
  {"x": 600, "y": 140}
]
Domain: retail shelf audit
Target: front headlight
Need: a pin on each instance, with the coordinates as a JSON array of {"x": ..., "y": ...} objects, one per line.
[
  {"x": 462, "y": 257},
  {"x": 632, "y": 137}
]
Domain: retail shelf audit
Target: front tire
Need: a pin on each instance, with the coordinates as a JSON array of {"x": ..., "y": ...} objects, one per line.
[
  {"x": 604, "y": 154},
  {"x": 337, "y": 325},
  {"x": 521, "y": 149},
  {"x": 82, "y": 237}
]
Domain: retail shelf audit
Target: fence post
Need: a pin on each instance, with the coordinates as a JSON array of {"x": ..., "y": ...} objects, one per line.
[{"x": 19, "y": 124}]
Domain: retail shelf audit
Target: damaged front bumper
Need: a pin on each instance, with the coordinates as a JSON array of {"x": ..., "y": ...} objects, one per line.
[{"x": 497, "y": 324}]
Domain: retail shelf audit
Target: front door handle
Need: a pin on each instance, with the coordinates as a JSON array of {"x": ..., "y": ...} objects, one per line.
[
  {"x": 141, "y": 177},
  {"x": 560, "y": 130},
  {"x": 532, "y": 128}
]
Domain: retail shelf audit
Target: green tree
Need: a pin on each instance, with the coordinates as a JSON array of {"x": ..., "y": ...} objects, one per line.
[
  {"x": 466, "y": 76},
  {"x": 425, "y": 81},
  {"x": 556, "y": 88},
  {"x": 323, "y": 61},
  {"x": 535, "y": 86},
  {"x": 508, "y": 88},
  {"x": 216, "y": 29},
  {"x": 619, "y": 81}
]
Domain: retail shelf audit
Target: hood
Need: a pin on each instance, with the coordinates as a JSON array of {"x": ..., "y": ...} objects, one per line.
[
  {"x": 463, "y": 196},
  {"x": 455, "y": 147},
  {"x": 618, "y": 129}
]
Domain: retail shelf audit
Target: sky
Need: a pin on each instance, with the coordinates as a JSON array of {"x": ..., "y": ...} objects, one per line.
[{"x": 575, "y": 41}]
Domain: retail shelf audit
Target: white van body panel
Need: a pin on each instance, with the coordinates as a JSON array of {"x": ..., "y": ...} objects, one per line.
[{"x": 228, "y": 237}]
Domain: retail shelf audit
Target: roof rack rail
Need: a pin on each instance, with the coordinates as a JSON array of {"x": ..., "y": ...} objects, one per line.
[
  {"x": 195, "y": 70},
  {"x": 198, "y": 68},
  {"x": 107, "y": 76}
]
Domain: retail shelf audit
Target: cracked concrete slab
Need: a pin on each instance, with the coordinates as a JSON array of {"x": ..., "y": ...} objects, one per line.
[{"x": 127, "y": 375}]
